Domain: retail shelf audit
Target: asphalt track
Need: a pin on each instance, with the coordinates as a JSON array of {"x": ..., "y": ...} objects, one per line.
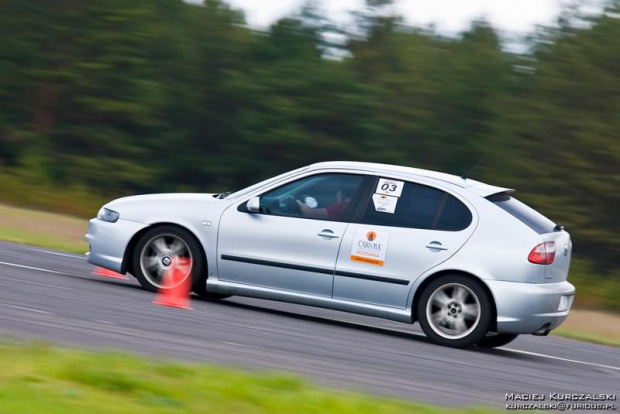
[{"x": 53, "y": 296}]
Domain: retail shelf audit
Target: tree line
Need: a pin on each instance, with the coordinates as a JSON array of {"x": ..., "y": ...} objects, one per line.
[{"x": 119, "y": 97}]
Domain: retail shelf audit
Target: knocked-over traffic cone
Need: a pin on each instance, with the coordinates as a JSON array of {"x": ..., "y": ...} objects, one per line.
[
  {"x": 101, "y": 271},
  {"x": 176, "y": 285}
]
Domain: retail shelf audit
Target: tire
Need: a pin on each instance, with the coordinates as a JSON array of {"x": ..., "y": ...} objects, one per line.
[
  {"x": 454, "y": 311},
  {"x": 150, "y": 254},
  {"x": 493, "y": 341}
]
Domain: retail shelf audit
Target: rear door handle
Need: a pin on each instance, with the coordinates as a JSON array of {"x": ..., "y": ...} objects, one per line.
[
  {"x": 435, "y": 245},
  {"x": 328, "y": 234}
]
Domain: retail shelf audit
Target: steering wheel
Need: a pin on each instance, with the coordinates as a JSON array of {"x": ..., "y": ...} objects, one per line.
[{"x": 292, "y": 206}]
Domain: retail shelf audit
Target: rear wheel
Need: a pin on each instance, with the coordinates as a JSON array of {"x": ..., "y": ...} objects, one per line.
[
  {"x": 159, "y": 249},
  {"x": 495, "y": 340},
  {"x": 455, "y": 311}
]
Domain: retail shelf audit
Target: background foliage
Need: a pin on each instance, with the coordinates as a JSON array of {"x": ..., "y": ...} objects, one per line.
[{"x": 114, "y": 97}]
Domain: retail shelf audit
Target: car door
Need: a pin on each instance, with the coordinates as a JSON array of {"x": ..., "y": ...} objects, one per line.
[
  {"x": 292, "y": 243},
  {"x": 404, "y": 229}
]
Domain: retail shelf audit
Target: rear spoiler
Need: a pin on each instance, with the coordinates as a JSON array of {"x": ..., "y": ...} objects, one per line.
[{"x": 486, "y": 190}]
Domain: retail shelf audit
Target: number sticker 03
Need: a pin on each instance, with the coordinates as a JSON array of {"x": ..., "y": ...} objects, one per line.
[{"x": 390, "y": 187}]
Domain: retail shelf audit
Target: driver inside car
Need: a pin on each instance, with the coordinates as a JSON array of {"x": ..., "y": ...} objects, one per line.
[{"x": 333, "y": 211}]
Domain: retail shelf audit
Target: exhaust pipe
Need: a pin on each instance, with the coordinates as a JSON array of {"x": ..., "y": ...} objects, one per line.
[{"x": 543, "y": 330}]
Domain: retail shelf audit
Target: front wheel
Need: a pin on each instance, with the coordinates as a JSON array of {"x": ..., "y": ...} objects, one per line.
[
  {"x": 455, "y": 311},
  {"x": 495, "y": 340},
  {"x": 157, "y": 252}
]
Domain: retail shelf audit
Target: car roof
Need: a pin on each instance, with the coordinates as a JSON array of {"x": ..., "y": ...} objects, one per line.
[{"x": 474, "y": 186}]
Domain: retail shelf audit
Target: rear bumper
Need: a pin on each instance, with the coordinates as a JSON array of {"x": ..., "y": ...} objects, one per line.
[
  {"x": 524, "y": 308},
  {"x": 108, "y": 242}
]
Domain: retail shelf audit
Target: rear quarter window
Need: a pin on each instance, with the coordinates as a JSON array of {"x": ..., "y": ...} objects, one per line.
[
  {"x": 521, "y": 211},
  {"x": 454, "y": 215}
]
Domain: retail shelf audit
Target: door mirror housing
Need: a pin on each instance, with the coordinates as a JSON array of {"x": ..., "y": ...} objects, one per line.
[{"x": 253, "y": 205}]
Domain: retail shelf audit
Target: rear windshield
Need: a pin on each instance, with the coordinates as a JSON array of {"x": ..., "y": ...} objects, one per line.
[{"x": 530, "y": 217}]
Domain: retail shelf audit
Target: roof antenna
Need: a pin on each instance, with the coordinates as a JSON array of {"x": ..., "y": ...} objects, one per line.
[{"x": 466, "y": 175}]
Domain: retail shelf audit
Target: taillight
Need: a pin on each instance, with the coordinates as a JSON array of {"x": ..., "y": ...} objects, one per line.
[{"x": 543, "y": 254}]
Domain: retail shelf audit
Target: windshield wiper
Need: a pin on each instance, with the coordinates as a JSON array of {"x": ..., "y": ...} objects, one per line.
[{"x": 223, "y": 195}]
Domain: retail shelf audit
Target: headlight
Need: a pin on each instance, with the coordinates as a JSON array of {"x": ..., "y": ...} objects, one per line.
[{"x": 105, "y": 214}]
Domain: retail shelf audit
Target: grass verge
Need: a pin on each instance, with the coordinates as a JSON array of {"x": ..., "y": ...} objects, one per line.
[
  {"x": 580, "y": 336},
  {"x": 40, "y": 379},
  {"x": 591, "y": 326},
  {"x": 37, "y": 228}
]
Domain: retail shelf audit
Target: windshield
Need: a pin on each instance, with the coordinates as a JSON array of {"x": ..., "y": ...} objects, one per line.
[{"x": 272, "y": 180}]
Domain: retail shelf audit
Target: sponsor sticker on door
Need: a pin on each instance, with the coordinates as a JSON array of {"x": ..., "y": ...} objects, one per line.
[{"x": 370, "y": 246}]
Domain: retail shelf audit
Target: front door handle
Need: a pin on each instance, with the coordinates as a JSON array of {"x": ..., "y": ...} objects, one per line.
[
  {"x": 435, "y": 245},
  {"x": 328, "y": 234}
]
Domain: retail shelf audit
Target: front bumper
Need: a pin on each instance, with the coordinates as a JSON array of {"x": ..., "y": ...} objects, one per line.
[
  {"x": 525, "y": 308},
  {"x": 108, "y": 241}
]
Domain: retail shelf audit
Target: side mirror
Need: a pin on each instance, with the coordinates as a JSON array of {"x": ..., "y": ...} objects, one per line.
[{"x": 253, "y": 205}]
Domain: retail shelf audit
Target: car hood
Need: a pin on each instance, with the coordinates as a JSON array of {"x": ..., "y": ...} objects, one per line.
[
  {"x": 153, "y": 208},
  {"x": 161, "y": 198}
]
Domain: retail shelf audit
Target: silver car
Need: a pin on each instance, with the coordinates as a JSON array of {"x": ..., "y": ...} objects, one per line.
[{"x": 468, "y": 261}]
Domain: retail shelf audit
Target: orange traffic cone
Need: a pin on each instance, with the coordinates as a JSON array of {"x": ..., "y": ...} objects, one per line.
[
  {"x": 101, "y": 271},
  {"x": 176, "y": 286}
]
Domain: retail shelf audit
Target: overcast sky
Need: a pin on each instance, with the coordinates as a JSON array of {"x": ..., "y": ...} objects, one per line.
[{"x": 448, "y": 16}]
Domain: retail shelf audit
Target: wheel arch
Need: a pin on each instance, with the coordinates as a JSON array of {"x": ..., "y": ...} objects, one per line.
[
  {"x": 127, "y": 264},
  {"x": 429, "y": 279}
]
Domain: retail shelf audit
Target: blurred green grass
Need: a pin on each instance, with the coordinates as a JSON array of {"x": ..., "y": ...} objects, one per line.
[
  {"x": 594, "y": 290},
  {"x": 37, "y": 378},
  {"x": 31, "y": 193}
]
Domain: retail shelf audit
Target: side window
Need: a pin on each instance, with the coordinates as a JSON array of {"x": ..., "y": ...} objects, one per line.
[
  {"x": 322, "y": 196},
  {"x": 421, "y": 207},
  {"x": 416, "y": 208},
  {"x": 454, "y": 216}
]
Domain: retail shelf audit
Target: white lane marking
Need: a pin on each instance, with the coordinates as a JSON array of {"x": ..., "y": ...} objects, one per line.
[
  {"x": 72, "y": 256},
  {"x": 32, "y": 268},
  {"x": 518, "y": 351},
  {"x": 107, "y": 323},
  {"x": 27, "y": 309},
  {"x": 234, "y": 344}
]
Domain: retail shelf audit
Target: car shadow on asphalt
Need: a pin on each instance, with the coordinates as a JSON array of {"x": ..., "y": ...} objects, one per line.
[
  {"x": 125, "y": 283},
  {"x": 418, "y": 337},
  {"x": 314, "y": 318}
]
